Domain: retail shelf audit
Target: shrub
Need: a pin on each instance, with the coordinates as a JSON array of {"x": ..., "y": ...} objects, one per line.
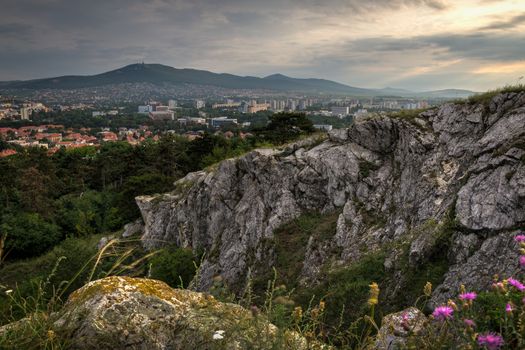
[
  {"x": 175, "y": 266},
  {"x": 28, "y": 234},
  {"x": 88, "y": 213},
  {"x": 284, "y": 127}
]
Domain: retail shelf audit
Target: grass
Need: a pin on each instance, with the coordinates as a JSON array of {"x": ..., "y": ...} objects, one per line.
[
  {"x": 370, "y": 217},
  {"x": 433, "y": 268},
  {"x": 408, "y": 114},
  {"x": 486, "y": 97},
  {"x": 67, "y": 267},
  {"x": 345, "y": 290},
  {"x": 29, "y": 306},
  {"x": 366, "y": 167},
  {"x": 290, "y": 242}
]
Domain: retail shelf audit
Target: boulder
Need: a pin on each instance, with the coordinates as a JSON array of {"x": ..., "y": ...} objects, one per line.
[
  {"x": 136, "y": 313},
  {"x": 398, "y": 327}
]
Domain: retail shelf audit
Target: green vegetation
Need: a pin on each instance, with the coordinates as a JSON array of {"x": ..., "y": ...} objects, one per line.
[
  {"x": 345, "y": 290},
  {"x": 408, "y": 114},
  {"x": 486, "y": 97},
  {"x": 28, "y": 234},
  {"x": 173, "y": 265},
  {"x": 86, "y": 191},
  {"x": 286, "y": 126},
  {"x": 291, "y": 240},
  {"x": 340, "y": 289},
  {"x": 69, "y": 263},
  {"x": 365, "y": 167}
]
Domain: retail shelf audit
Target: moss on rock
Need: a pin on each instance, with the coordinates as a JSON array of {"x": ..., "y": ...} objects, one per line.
[{"x": 137, "y": 313}]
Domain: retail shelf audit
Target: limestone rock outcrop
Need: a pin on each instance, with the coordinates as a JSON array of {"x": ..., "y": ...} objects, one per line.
[{"x": 456, "y": 172}]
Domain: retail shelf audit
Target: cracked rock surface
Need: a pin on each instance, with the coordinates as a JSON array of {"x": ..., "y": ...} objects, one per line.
[{"x": 389, "y": 177}]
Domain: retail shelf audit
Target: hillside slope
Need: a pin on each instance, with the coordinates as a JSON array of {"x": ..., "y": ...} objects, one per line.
[
  {"x": 445, "y": 187},
  {"x": 157, "y": 74},
  {"x": 161, "y": 74}
]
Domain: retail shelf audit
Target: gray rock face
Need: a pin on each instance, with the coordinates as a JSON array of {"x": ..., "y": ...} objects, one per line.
[
  {"x": 392, "y": 179},
  {"x": 497, "y": 255}
]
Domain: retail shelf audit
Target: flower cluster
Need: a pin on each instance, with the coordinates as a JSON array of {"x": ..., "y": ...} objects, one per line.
[
  {"x": 506, "y": 289},
  {"x": 443, "y": 313},
  {"x": 468, "y": 296},
  {"x": 490, "y": 341},
  {"x": 516, "y": 284}
]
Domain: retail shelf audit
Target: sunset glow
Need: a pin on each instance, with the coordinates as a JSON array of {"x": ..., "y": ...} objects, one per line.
[{"x": 415, "y": 44}]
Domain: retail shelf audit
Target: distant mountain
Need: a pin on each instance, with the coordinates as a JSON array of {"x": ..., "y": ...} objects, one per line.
[
  {"x": 159, "y": 74},
  {"x": 395, "y": 91},
  {"x": 447, "y": 93}
]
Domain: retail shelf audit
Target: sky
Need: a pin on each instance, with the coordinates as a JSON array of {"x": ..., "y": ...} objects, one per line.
[{"x": 412, "y": 44}]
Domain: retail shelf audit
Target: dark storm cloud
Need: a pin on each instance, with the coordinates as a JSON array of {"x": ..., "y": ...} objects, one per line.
[
  {"x": 14, "y": 30},
  {"x": 482, "y": 46},
  {"x": 41, "y": 38}
]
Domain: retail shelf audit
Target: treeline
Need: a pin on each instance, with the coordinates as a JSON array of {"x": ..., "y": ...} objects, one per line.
[{"x": 84, "y": 191}]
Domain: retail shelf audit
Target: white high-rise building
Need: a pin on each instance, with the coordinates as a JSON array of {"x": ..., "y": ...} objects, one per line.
[
  {"x": 199, "y": 104},
  {"x": 172, "y": 104},
  {"x": 25, "y": 112},
  {"x": 145, "y": 109},
  {"x": 340, "y": 112}
]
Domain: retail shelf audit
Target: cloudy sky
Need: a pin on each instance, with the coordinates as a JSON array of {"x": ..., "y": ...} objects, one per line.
[{"x": 413, "y": 44}]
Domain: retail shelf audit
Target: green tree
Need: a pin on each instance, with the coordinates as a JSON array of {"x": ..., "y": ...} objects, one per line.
[
  {"x": 148, "y": 183},
  {"x": 87, "y": 213},
  {"x": 284, "y": 127},
  {"x": 28, "y": 234}
]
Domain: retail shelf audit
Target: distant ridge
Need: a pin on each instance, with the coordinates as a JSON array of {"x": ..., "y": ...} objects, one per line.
[{"x": 159, "y": 74}]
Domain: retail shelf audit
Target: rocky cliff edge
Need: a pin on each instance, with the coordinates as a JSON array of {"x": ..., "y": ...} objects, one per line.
[{"x": 403, "y": 185}]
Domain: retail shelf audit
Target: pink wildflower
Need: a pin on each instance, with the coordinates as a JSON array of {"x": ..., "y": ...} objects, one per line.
[
  {"x": 442, "y": 313},
  {"x": 519, "y": 238},
  {"x": 516, "y": 284},
  {"x": 509, "y": 308},
  {"x": 491, "y": 341},
  {"x": 522, "y": 261},
  {"x": 469, "y": 323},
  {"x": 468, "y": 296}
]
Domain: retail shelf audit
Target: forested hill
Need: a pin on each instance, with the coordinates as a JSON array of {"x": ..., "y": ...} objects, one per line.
[
  {"x": 157, "y": 73},
  {"x": 161, "y": 74}
]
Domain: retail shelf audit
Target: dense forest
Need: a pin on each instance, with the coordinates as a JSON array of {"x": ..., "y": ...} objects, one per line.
[{"x": 85, "y": 191}]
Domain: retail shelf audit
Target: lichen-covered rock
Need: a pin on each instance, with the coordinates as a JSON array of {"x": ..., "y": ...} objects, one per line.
[
  {"x": 460, "y": 167},
  {"x": 396, "y": 328},
  {"x": 135, "y": 313}
]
